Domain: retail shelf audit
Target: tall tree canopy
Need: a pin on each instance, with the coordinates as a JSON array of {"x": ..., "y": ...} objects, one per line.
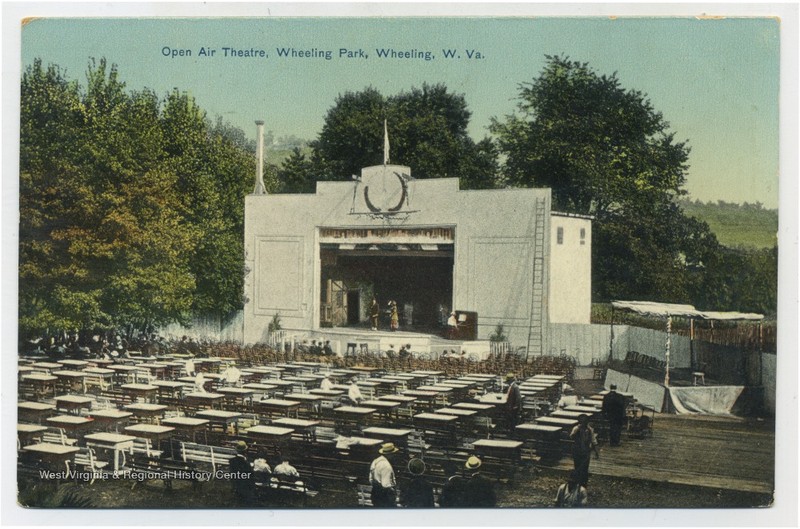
[
  {"x": 605, "y": 151},
  {"x": 427, "y": 130},
  {"x": 131, "y": 207}
]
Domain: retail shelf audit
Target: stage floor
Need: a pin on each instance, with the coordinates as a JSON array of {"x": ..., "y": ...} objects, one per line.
[
  {"x": 698, "y": 451},
  {"x": 385, "y": 339}
]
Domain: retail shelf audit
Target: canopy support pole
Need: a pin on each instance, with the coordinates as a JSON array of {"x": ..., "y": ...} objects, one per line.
[
  {"x": 692, "y": 354},
  {"x": 668, "y": 344},
  {"x": 611, "y": 344},
  {"x": 760, "y": 353}
]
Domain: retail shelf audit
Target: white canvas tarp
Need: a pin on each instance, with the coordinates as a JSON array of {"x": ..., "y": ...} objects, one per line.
[
  {"x": 662, "y": 310},
  {"x": 705, "y": 400},
  {"x": 665, "y": 310},
  {"x": 651, "y": 394},
  {"x": 731, "y": 316}
]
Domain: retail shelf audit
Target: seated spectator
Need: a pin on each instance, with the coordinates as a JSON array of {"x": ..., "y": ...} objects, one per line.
[
  {"x": 232, "y": 375},
  {"x": 326, "y": 384},
  {"x": 200, "y": 383},
  {"x": 354, "y": 393},
  {"x": 194, "y": 347},
  {"x": 571, "y": 493},
  {"x": 183, "y": 346},
  {"x": 261, "y": 470},
  {"x": 285, "y": 470},
  {"x": 418, "y": 492},
  {"x": 315, "y": 349},
  {"x": 568, "y": 398},
  {"x": 326, "y": 349},
  {"x": 189, "y": 367}
]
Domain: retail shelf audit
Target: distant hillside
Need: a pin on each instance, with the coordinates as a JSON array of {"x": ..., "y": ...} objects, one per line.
[
  {"x": 276, "y": 155},
  {"x": 746, "y": 225}
]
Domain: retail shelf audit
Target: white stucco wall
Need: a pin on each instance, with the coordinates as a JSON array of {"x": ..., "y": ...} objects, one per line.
[
  {"x": 494, "y": 261},
  {"x": 570, "y": 270}
]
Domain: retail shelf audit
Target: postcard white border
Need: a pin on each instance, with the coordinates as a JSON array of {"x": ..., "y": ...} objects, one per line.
[{"x": 783, "y": 513}]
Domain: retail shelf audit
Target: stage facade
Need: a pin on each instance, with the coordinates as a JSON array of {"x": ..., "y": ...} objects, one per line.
[{"x": 318, "y": 260}]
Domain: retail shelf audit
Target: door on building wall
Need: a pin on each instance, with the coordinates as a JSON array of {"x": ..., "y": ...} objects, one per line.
[
  {"x": 353, "y": 307},
  {"x": 339, "y": 312}
]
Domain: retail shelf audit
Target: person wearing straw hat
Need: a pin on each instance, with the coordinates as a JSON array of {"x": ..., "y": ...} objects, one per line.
[
  {"x": 513, "y": 401},
  {"x": 470, "y": 489},
  {"x": 480, "y": 491},
  {"x": 418, "y": 492},
  {"x": 381, "y": 477}
]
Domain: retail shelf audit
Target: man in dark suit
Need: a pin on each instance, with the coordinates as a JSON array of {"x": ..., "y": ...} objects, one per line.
[{"x": 614, "y": 410}]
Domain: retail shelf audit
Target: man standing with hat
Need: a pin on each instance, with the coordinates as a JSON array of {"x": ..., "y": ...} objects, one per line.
[
  {"x": 513, "y": 401},
  {"x": 614, "y": 410},
  {"x": 381, "y": 477},
  {"x": 242, "y": 476}
]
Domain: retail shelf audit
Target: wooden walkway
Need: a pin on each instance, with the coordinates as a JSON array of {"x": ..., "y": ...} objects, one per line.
[{"x": 723, "y": 453}]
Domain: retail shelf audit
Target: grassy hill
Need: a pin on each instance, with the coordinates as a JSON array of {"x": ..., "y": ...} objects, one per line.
[
  {"x": 746, "y": 225},
  {"x": 277, "y": 156}
]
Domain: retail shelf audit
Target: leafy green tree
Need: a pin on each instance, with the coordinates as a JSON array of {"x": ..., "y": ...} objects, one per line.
[
  {"x": 214, "y": 175},
  {"x": 296, "y": 174},
  {"x": 605, "y": 151},
  {"x": 427, "y": 130},
  {"x": 102, "y": 237},
  {"x": 593, "y": 142},
  {"x": 131, "y": 207}
]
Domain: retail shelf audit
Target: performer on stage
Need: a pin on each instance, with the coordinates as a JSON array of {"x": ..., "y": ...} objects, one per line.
[
  {"x": 395, "y": 318},
  {"x": 374, "y": 312},
  {"x": 452, "y": 326}
]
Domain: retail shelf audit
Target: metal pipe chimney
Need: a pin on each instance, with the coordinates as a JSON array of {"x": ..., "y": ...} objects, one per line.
[{"x": 260, "y": 189}]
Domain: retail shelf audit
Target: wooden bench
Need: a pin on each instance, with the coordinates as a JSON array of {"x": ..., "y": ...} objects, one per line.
[
  {"x": 285, "y": 487},
  {"x": 57, "y": 436},
  {"x": 206, "y": 455},
  {"x": 86, "y": 459},
  {"x": 364, "y": 495},
  {"x": 144, "y": 462}
]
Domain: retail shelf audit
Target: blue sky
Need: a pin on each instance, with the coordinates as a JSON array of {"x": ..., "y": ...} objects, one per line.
[{"x": 715, "y": 81}]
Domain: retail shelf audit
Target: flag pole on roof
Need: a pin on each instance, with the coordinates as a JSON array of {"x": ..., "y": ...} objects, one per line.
[{"x": 385, "y": 143}]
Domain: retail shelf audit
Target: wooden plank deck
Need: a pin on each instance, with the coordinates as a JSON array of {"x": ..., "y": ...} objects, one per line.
[{"x": 724, "y": 453}]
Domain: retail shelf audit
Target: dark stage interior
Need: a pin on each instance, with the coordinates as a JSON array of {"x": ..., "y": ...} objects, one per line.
[{"x": 423, "y": 282}]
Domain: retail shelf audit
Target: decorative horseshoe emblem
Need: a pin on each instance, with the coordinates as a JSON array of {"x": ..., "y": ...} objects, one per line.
[{"x": 403, "y": 195}]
